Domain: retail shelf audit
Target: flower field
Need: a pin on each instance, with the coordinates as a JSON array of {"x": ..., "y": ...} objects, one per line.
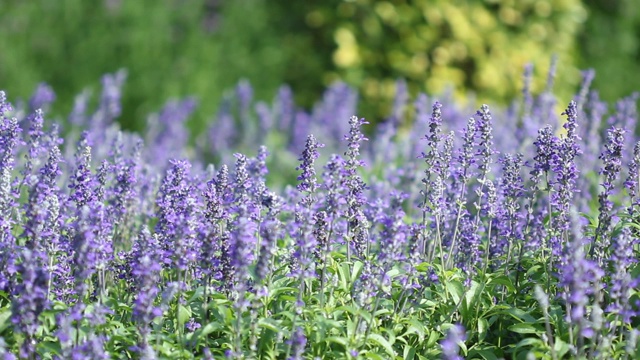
[{"x": 442, "y": 232}]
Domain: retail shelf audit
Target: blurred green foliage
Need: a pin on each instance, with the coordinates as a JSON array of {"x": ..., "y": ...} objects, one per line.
[
  {"x": 610, "y": 44},
  {"x": 464, "y": 44},
  {"x": 176, "y": 48},
  {"x": 170, "y": 48}
]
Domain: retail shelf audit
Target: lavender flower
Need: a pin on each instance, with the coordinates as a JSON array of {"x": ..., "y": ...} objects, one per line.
[
  {"x": 241, "y": 251},
  {"x": 219, "y": 213},
  {"x": 307, "y": 179},
  {"x": 125, "y": 191},
  {"x": 622, "y": 282},
  {"x": 512, "y": 188},
  {"x": 393, "y": 236},
  {"x": 485, "y": 144},
  {"x": 469, "y": 253},
  {"x": 212, "y": 231},
  {"x": 192, "y": 325},
  {"x": 632, "y": 183},
  {"x": 432, "y": 157},
  {"x": 176, "y": 217},
  {"x": 307, "y": 185},
  {"x": 146, "y": 273},
  {"x": 463, "y": 173},
  {"x": 9, "y": 140},
  {"x": 358, "y": 224},
  {"x": 81, "y": 183},
  {"x": 333, "y": 184},
  {"x": 546, "y": 148},
  {"x": 43, "y": 207},
  {"x": 612, "y": 164},
  {"x": 466, "y": 157},
  {"x": 9, "y": 133},
  {"x": 321, "y": 234},
  {"x": 269, "y": 233},
  {"x": 31, "y": 299},
  {"x": 578, "y": 276},
  {"x": 563, "y": 164},
  {"x": 258, "y": 167}
]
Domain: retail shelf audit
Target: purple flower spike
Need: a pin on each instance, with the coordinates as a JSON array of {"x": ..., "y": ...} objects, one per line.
[
  {"x": 146, "y": 272},
  {"x": 358, "y": 223},
  {"x": 612, "y": 165},
  {"x": 31, "y": 299},
  {"x": 176, "y": 221},
  {"x": 563, "y": 164},
  {"x": 307, "y": 179},
  {"x": 81, "y": 184},
  {"x": 485, "y": 144},
  {"x": 632, "y": 183},
  {"x": 465, "y": 156}
]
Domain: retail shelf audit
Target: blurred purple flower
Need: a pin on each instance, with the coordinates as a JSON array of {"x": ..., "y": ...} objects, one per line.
[
  {"x": 298, "y": 342},
  {"x": 42, "y": 97},
  {"x": 450, "y": 347}
]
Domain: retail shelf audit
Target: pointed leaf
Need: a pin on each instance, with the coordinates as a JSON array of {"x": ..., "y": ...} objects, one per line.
[{"x": 383, "y": 342}]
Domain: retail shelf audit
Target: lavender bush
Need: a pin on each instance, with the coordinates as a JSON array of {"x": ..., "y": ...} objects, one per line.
[{"x": 464, "y": 233}]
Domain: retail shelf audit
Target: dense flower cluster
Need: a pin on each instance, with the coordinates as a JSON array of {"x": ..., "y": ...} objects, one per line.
[{"x": 109, "y": 241}]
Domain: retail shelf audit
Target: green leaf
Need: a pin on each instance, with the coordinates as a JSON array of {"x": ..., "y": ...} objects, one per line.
[
  {"x": 197, "y": 294},
  {"x": 518, "y": 314},
  {"x": 423, "y": 267},
  {"x": 5, "y": 317},
  {"x": 209, "y": 328},
  {"x": 416, "y": 327},
  {"x": 504, "y": 281},
  {"x": 483, "y": 325},
  {"x": 455, "y": 289},
  {"x": 529, "y": 342},
  {"x": 357, "y": 269},
  {"x": 409, "y": 353},
  {"x": 338, "y": 340},
  {"x": 485, "y": 353},
  {"x": 561, "y": 347},
  {"x": 372, "y": 356},
  {"x": 274, "y": 293},
  {"x": 269, "y": 324},
  {"x": 525, "y": 328},
  {"x": 433, "y": 338},
  {"x": 347, "y": 308},
  {"x": 383, "y": 342},
  {"x": 343, "y": 276},
  {"x": 50, "y": 347},
  {"x": 184, "y": 314}
]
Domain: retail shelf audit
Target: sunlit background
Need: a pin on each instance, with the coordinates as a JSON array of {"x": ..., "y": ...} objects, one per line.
[{"x": 179, "y": 48}]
